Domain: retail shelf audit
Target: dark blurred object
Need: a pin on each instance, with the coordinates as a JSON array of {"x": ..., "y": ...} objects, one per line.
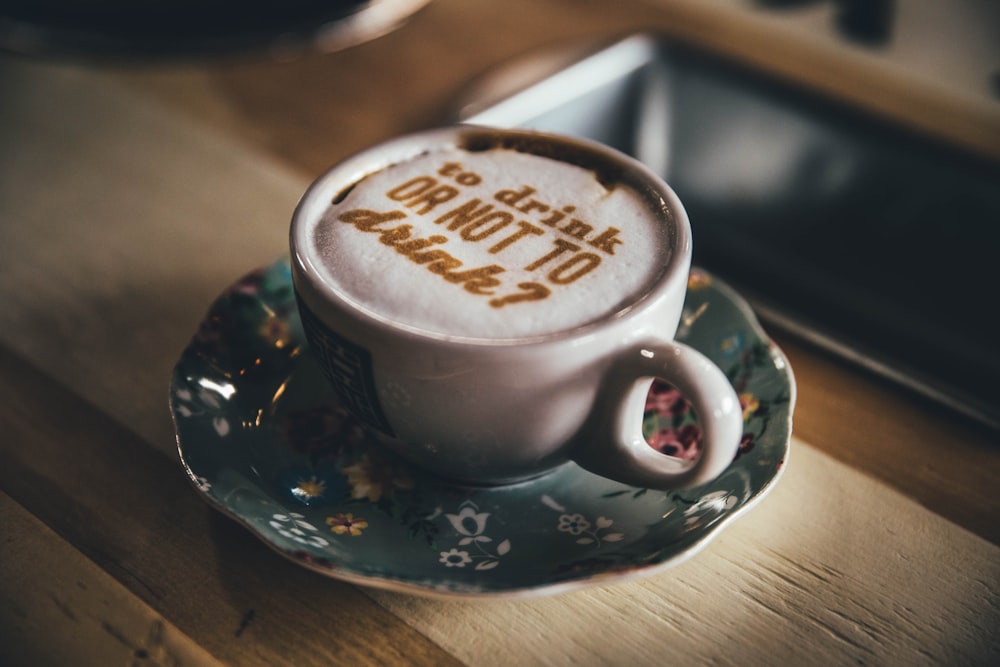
[
  {"x": 867, "y": 22},
  {"x": 782, "y": 4},
  {"x": 166, "y": 28},
  {"x": 874, "y": 242}
]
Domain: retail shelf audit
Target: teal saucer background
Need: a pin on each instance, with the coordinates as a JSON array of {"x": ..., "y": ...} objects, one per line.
[{"x": 265, "y": 441}]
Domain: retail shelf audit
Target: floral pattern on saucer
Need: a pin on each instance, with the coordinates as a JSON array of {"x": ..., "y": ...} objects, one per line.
[{"x": 264, "y": 440}]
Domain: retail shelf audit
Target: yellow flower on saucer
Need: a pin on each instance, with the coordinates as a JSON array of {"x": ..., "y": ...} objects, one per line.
[
  {"x": 342, "y": 524},
  {"x": 749, "y": 403}
]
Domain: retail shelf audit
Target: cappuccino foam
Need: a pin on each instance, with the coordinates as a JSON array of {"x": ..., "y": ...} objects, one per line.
[{"x": 492, "y": 244}]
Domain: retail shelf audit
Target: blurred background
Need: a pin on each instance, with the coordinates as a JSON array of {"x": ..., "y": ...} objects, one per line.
[{"x": 839, "y": 158}]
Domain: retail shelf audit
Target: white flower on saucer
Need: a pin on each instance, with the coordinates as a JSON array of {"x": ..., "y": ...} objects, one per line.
[
  {"x": 293, "y": 526},
  {"x": 468, "y": 522},
  {"x": 206, "y": 402},
  {"x": 574, "y": 524},
  {"x": 455, "y": 558},
  {"x": 579, "y": 525}
]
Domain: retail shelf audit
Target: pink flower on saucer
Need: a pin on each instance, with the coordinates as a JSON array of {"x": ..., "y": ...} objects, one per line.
[{"x": 683, "y": 443}]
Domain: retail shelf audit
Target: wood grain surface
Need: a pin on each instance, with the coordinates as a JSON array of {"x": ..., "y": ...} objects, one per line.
[
  {"x": 47, "y": 590},
  {"x": 130, "y": 197},
  {"x": 828, "y": 565},
  {"x": 141, "y": 522}
]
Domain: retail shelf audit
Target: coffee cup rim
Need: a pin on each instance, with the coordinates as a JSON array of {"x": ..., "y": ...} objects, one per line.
[{"x": 337, "y": 181}]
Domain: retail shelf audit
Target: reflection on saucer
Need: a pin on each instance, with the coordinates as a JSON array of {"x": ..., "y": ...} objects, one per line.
[{"x": 265, "y": 441}]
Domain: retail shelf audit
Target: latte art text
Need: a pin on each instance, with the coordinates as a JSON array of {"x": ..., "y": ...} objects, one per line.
[
  {"x": 524, "y": 233},
  {"x": 476, "y": 281}
]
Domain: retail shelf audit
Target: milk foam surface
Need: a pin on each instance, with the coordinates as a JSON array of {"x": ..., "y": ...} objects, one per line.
[{"x": 495, "y": 244}]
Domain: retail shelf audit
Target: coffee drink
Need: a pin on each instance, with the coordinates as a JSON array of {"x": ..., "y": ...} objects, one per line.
[
  {"x": 492, "y": 304},
  {"x": 495, "y": 243}
]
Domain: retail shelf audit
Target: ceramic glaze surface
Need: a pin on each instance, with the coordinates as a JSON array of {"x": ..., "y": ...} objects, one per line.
[{"x": 264, "y": 440}]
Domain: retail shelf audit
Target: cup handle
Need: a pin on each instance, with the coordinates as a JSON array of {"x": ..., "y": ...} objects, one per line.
[{"x": 614, "y": 446}]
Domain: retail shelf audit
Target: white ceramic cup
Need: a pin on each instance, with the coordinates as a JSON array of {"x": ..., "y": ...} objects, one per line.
[{"x": 496, "y": 410}]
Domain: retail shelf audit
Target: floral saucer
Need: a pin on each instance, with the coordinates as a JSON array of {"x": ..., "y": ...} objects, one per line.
[{"x": 265, "y": 441}]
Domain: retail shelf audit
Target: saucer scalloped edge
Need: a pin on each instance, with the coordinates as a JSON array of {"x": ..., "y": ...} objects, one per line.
[{"x": 265, "y": 441}]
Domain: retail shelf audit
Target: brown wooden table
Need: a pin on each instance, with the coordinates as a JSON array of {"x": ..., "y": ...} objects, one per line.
[{"x": 130, "y": 196}]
